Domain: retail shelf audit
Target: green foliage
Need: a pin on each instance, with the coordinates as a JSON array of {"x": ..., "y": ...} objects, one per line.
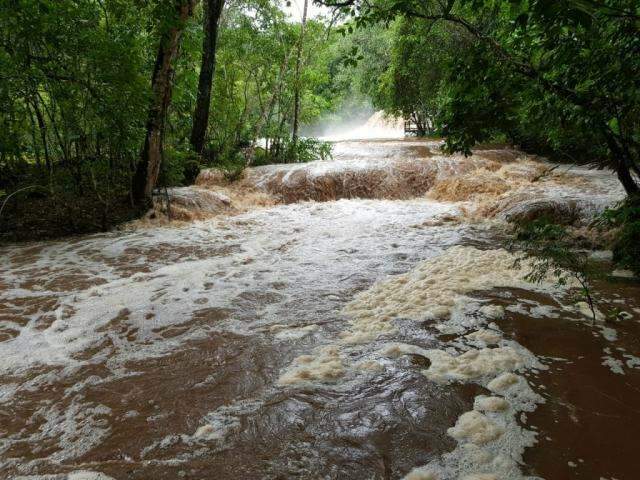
[
  {"x": 551, "y": 252},
  {"x": 179, "y": 167},
  {"x": 232, "y": 164},
  {"x": 626, "y": 249},
  {"x": 412, "y": 84},
  {"x": 307, "y": 150},
  {"x": 73, "y": 97},
  {"x": 75, "y": 90},
  {"x": 558, "y": 78},
  {"x": 303, "y": 150}
]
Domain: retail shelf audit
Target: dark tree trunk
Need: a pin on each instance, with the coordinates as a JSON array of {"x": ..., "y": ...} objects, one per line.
[
  {"x": 629, "y": 184},
  {"x": 296, "y": 100},
  {"x": 148, "y": 167},
  {"x": 212, "y": 14},
  {"x": 43, "y": 133},
  {"x": 622, "y": 164}
]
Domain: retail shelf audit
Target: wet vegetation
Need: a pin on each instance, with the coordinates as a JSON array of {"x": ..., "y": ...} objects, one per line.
[
  {"x": 553, "y": 254},
  {"x": 105, "y": 102},
  {"x": 102, "y": 102},
  {"x": 626, "y": 218}
]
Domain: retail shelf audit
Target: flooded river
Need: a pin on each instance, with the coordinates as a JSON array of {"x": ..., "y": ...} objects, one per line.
[{"x": 365, "y": 323}]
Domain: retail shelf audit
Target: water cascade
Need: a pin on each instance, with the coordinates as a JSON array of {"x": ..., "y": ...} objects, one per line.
[{"x": 343, "y": 319}]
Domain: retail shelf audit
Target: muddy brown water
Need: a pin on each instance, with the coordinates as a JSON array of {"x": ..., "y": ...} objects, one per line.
[
  {"x": 586, "y": 425},
  {"x": 116, "y": 349}
]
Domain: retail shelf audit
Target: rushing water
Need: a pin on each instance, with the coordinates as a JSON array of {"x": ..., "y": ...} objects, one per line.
[{"x": 259, "y": 345}]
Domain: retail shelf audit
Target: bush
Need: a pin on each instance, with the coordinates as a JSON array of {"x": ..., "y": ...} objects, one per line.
[
  {"x": 307, "y": 150},
  {"x": 626, "y": 247},
  {"x": 232, "y": 162},
  {"x": 285, "y": 150},
  {"x": 551, "y": 250}
]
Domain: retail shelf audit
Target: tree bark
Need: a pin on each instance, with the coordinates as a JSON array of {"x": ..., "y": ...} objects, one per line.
[
  {"x": 148, "y": 167},
  {"x": 43, "y": 133},
  {"x": 212, "y": 14},
  {"x": 622, "y": 164},
  {"x": 296, "y": 100}
]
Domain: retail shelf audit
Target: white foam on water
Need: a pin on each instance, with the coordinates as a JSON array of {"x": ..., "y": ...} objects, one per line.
[
  {"x": 77, "y": 475},
  {"x": 324, "y": 365},
  {"x": 378, "y": 126},
  {"x": 474, "y": 364},
  {"x": 490, "y": 404},
  {"x": 177, "y": 285},
  {"x": 476, "y": 428},
  {"x": 431, "y": 290},
  {"x": 214, "y": 264},
  {"x": 284, "y": 332},
  {"x": 490, "y": 441},
  {"x": 615, "y": 365},
  {"x": 631, "y": 361},
  {"x": 484, "y": 336},
  {"x": 118, "y": 317},
  {"x": 217, "y": 430}
]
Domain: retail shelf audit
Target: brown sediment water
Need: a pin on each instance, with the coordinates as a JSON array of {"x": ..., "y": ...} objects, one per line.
[
  {"x": 375, "y": 331},
  {"x": 592, "y": 406}
]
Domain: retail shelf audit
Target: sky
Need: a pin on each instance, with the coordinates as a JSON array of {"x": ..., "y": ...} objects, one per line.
[{"x": 295, "y": 10}]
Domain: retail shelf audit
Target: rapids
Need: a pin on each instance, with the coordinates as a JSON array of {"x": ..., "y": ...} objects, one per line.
[{"x": 346, "y": 319}]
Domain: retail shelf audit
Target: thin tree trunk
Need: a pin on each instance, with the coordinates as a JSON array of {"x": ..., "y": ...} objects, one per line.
[
  {"x": 148, "y": 167},
  {"x": 296, "y": 101},
  {"x": 43, "y": 134},
  {"x": 266, "y": 113},
  {"x": 212, "y": 13},
  {"x": 34, "y": 137}
]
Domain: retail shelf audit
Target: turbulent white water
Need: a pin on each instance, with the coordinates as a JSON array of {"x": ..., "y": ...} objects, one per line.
[
  {"x": 274, "y": 343},
  {"x": 378, "y": 126},
  {"x": 91, "y": 282}
]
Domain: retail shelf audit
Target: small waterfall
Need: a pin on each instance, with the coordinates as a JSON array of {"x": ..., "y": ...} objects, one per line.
[{"x": 378, "y": 126}]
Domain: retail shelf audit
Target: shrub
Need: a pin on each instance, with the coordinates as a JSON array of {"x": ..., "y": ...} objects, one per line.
[
  {"x": 551, "y": 250},
  {"x": 626, "y": 247}
]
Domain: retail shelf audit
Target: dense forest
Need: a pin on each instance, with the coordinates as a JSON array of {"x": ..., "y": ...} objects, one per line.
[{"x": 106, "y": 101}]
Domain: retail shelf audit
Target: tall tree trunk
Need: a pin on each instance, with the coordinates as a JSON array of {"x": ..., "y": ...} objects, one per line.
[
  {"x": 43, "y": 133},
  {"x": 212, "y": 14},
  {"x": 148, "y": 167},
  {"x": 626, "y": 179},
  {"x": 296, "y": 100},
  {"x": 622, "y": 164}
]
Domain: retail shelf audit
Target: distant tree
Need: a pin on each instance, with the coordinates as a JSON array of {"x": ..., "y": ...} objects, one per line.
[{"x": 296, "y": 86}]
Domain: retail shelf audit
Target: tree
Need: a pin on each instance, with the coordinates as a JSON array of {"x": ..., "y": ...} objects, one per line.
[
  {"x": 85, "y": 136},
  {"x": 413, "y": 80},
  {"x": 148, "y": 167},
  {"x": 296, "y": 101},
  {"x": 212, "y": 14},
  {"x": 581, "y": 59}
]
